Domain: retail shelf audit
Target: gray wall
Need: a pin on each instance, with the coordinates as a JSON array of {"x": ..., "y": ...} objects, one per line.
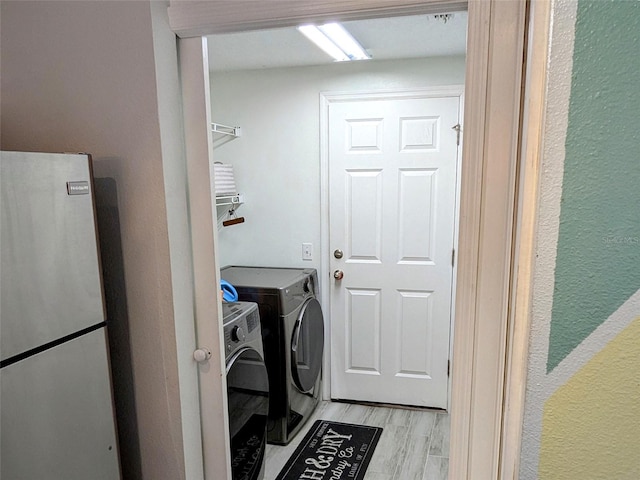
[{"x": 81, "y": 76}]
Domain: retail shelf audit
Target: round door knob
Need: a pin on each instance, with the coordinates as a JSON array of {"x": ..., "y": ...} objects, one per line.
[
  {"x": 338, "y": 274},
  {"x": 202, "y": 355}
]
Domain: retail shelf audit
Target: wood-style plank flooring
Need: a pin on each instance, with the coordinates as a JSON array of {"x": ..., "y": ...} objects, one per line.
[{"x": 414, "y": 444}]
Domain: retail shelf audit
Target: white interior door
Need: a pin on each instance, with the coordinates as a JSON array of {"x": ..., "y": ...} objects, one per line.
[{"x": 392, "y": 189}]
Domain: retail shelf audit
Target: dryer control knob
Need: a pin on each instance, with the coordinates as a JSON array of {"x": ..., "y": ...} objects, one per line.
[
  {"x": 202, "y": 355},
  {"x": 237, "y": 334}
]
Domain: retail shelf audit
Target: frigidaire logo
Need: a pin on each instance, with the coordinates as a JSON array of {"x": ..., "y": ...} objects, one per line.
[{"x": 78, "y": 188}]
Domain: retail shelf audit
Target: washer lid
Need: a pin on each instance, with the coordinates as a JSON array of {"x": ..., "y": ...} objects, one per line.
[
  {"x": 264, "y": 277},
  {"x": 307, "y": 346}
]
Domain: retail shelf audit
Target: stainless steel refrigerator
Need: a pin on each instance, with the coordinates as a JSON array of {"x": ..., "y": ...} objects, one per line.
[{"x": 57, "y": 418}]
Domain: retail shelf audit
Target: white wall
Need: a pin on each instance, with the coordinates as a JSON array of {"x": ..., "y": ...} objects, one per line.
[
  {"x": 81, "y": 76},
  {"x": 169, "y": 98},
  {"x": 277, "y": 158}
]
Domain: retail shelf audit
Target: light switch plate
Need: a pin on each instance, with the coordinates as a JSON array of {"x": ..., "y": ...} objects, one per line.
[{"x": 307, "y": 251}]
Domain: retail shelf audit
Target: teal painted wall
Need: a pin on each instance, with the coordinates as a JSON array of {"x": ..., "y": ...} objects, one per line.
[{"x": 598, "y": 256}]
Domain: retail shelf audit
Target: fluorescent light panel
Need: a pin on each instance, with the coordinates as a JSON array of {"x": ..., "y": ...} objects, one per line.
[
  {"x": 335, "y": 40},
  {"x": 322, "y": 41},
  {"x": 343, "y": 39}
]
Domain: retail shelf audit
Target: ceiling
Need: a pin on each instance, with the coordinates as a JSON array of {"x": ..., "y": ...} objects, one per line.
[{"x": 384, "y": 38}]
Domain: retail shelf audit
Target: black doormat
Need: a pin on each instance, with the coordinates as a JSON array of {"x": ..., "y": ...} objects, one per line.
[{"x": 332, "y": 450}]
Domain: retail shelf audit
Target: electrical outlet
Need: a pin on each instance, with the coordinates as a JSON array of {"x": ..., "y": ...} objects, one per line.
[{"x": 307, "y": 251}]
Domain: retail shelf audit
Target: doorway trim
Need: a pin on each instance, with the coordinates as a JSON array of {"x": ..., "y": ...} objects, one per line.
[
  {"x": 490, "y": 167},
  {"x": 326, "y": 99}
]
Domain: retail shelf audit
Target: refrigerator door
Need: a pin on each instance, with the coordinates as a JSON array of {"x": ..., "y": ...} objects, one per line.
[
  {"x": 50, "y": 275},
  {"x": 57, "y": 414}
]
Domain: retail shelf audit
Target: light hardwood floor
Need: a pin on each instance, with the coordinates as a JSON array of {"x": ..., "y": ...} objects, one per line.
[{"x": 414, "y": 444}]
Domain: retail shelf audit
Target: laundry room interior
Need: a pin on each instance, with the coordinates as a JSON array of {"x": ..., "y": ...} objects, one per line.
[{"x": 270, "y": 92}]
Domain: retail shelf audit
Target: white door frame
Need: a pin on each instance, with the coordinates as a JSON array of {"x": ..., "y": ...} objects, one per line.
[
  {"x": 326, "y": 99},
  {"x": 196, "y": 105},
  {"x": 483, "y": 356}
]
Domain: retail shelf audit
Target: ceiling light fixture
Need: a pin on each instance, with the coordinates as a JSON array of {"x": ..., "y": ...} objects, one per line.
[{"x": 334, "y": 39}]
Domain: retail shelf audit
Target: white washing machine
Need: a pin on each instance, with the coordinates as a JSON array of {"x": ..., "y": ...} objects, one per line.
[
  {"x": 293, "y": 339},
  {"x": 247, "y": 389}
]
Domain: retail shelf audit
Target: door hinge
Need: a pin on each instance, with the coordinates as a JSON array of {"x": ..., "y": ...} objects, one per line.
[
  {"x": 448, "y": 368},
  {"x": 453, "y": 257},
  {"x": 457, "y": 128}
]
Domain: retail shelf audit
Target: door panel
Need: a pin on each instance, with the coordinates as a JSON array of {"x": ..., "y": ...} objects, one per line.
[
  {"x": 51, "y": 283},
  {"x": 57, "y": 414},
  {"x": 416, "y": 216},
  {"x": 364, "y": 200},
  {"x": 415, "y": 320},
  {"x": 363, "y": 330},
  {"x": 392, "y": 181}
]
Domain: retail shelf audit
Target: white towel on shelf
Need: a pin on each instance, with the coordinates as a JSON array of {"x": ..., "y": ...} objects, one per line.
[{"x": 224, "y": 182}]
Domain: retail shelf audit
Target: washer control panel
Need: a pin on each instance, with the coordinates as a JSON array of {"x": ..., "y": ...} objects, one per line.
[{"x": 241, "y": 324}]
